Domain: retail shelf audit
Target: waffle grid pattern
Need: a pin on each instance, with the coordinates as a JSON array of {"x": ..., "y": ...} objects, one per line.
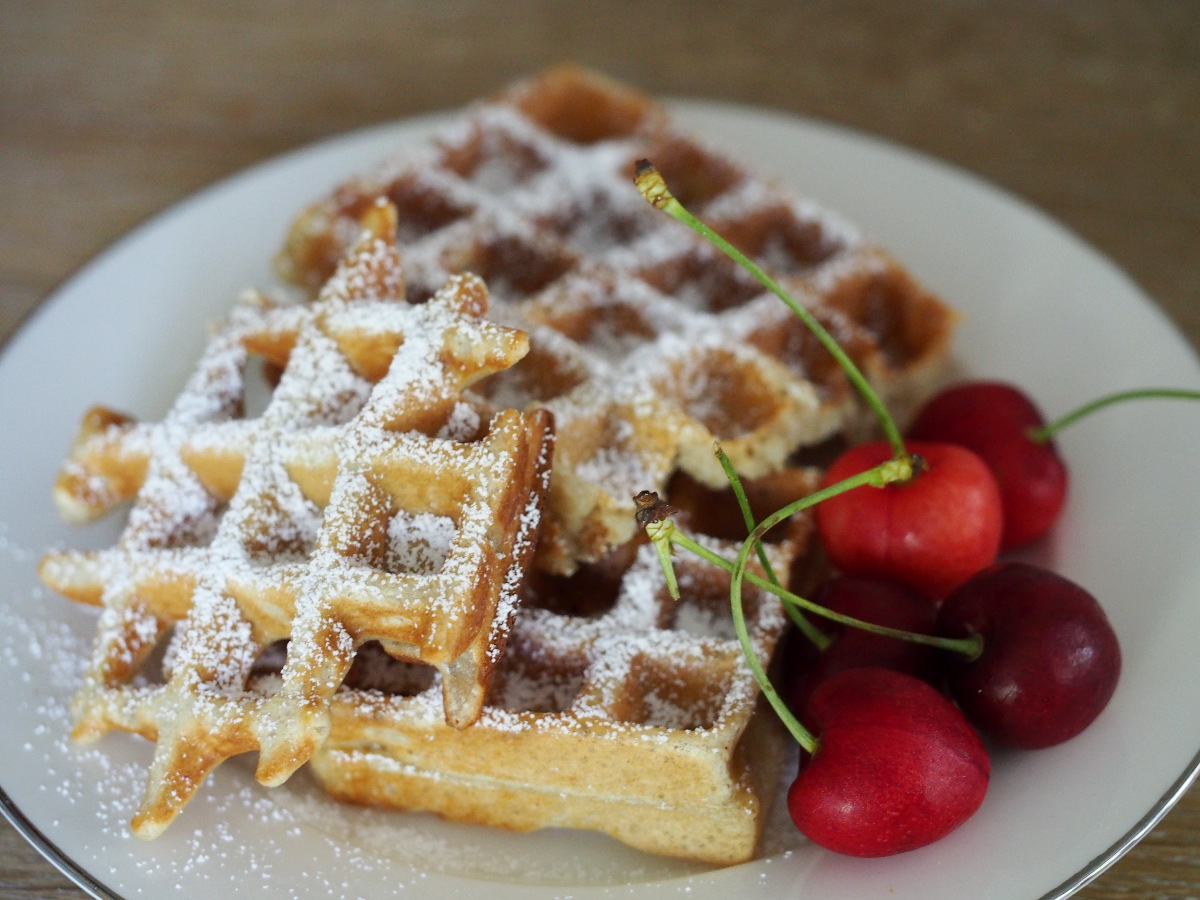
[
  {"x": 369, "y": 502},
  {"x": 615, "y": 709},
  {"x": 647, "y": 344}
]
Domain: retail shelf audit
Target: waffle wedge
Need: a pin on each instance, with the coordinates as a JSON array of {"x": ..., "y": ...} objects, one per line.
[
  {"x": 370, "y": 501},
  {"x": 646, "y": 343},
  {"x": 614, "y": 709}
]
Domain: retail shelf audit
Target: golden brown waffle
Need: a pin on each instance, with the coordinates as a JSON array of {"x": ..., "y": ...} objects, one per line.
[
  {"x": 645, "y": 342},
  {"x": 368, "y": 502},
  {"x": 614, "y": 709}
]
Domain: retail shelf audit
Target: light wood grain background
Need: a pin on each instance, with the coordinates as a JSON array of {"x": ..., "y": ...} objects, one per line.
[{"x": 112, "y": 111}]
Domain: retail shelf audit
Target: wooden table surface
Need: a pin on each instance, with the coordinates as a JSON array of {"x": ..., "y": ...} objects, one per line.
[{"x": 112, "y": 111}]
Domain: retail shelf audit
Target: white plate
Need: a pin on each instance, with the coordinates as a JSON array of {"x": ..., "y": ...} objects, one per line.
[{"x": 1041, "y": 308}]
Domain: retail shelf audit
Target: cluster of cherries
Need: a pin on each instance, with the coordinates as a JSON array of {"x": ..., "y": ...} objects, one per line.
[
  {"x": 936, "y": 643},
  {"x": 1021, "y": 655}
]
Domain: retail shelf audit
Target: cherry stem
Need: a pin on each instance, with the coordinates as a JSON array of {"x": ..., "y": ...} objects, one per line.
[
  {"x": 652, "y": 186},
  {"x": 819, "y": 639},
  {"x": 1047, "y": 432},
  {"x": 878, "y": 476},
  {"x": 970, "y": 647},
  {"x": 662, "y": 531},
  {"x": 892, "y": 470},
  {"x": 887, "y": 472}
]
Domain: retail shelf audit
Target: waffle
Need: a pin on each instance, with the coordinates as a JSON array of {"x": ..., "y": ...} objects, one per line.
[
  {"x": 369, "y": 502},
  {"x": 646, "y": 343},
  {"x": 613, "y": 709}
]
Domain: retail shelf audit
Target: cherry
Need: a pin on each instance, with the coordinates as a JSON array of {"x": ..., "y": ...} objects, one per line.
[
  {"x": 932, "y": 532},
  {"x": 896, "y": 766},
  {"x": 997, "y": 421},
  {"x": 1050, "y": 660},
  {"x": 873, "y": 599}
]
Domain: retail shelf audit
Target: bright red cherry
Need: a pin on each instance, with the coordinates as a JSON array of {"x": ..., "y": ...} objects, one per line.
[
  {"x": 932, "y": 532},
  {"x": 896, "y": 766},
  {"x": 995, "y": 420}
]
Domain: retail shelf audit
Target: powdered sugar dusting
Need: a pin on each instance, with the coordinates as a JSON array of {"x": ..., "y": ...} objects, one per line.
[
  {"x": 347, "y": 521},
  {"x": 295, "y": 843},
  {"x": 418, "y": 543},
  {"x": 603, "y": 226},
  {"x": 617, "y": 297},
  {"x": 642, "y": 683}
]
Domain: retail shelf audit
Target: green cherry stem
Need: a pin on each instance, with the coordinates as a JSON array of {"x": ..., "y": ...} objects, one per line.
[
  {"x": 739, "y": 492},
  {"x": 651, "y": 185},
  {"x": 887, "y": 472},
  {"x": 664, "y": 531},
  {"x": 898, "y": 469},
  {"x": 654, "y": 514},
  {"x": 1047, "y": 432},
  {"x": 654, "y": 517},
  {"x": 969, "y": 647},
  {"x": 819, "y": 639}
]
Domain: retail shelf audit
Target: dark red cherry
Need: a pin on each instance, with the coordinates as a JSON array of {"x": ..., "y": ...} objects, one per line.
[
  {"x": 880, "y": 601},
  {"x": 995, "y": 420},
  {"x": 1050, "y": 660}
]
